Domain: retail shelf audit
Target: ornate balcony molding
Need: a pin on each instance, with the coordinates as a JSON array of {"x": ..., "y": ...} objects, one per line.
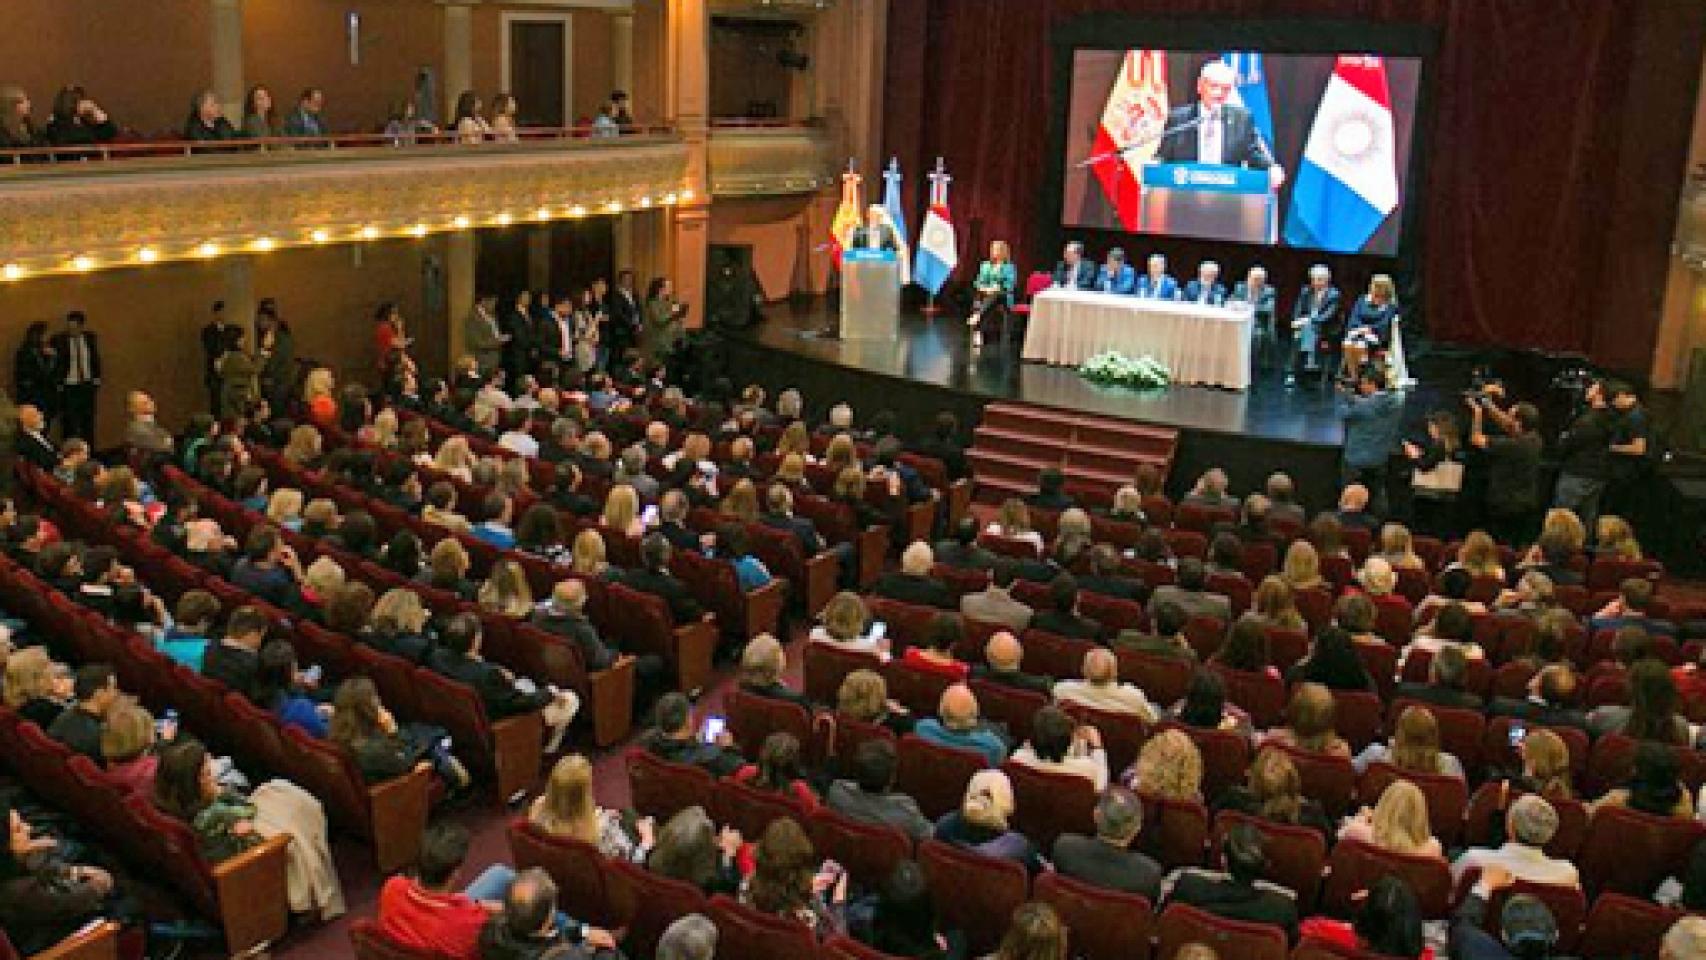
[
  {"x": 1691, "y": 224},
  {"x": 74, "y": 217},
  {"x": 771, "y": 161}
]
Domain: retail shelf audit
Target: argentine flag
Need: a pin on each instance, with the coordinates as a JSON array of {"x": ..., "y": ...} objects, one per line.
[
  {"x": 1251, "y": 92},
  {"x": 897, "y": 217},
  {"x": 1348, "y": 183}
]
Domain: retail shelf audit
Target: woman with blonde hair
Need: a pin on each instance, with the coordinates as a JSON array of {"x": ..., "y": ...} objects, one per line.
[
  {"x": 1072, "y": 538},
  {"x": 622, "y": 512},
  {"x": 1398, "y": 548},
  {"x": 791, "y": 472},
  {"x": 1414, "y": 747},
  {"x": 506, "y": 591},
  {"x": 1615, "y": 539},
  {"x": 1013, "y": 522},
  {"x": 841, "y": 453},
  {"x": 1479, "y": 555},
  {"x": 455, "y": 459},
  {"x": 993, "y": 288},
  {"x": 844, "y": 622},
  {"x": 1169, "y": 766},
  {"x": 742, "y": 501},
  {"x": 1565, "y": 529},
  {"x": 1368, "y": 328},
  {"x": 319, "y": 396},
  {"x": 983, "y": 823},
  {"x": 31, "y": 687},
  {"x": 447, "y": 568},
  {"x": 17, "y": 129},
  {"x": 864, "y": 696},
  {"x": 795, "y": 440},
  {"x": 1546, "y": 765},
  {"x": 127, "y": 746},
  {"x": 588, "y": 552},
  {"x": 303, "y": 449},
  {"x": 383, "y": 432},
  {"x": 1273, "y": 791},
  {"x": 323, "y": 578},
  {"x": 1276, "y": 605},
  {"x": 1310, "y": 718},
  {"x": 1128, "y": 506},
  {"x": 512, "y": 477},
  {"x": 396, "y": 624},
  {"x": 1302, "y": 567},
  {"x": 568, "y": 808},
  {"x": 1398, "y": 822}
]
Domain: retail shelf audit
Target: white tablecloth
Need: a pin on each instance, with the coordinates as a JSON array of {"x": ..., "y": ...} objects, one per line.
[{"x": 1199, "y": 344}]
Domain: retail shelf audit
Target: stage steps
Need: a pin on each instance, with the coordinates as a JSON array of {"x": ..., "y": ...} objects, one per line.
[{"x": 1016, "y": 440}]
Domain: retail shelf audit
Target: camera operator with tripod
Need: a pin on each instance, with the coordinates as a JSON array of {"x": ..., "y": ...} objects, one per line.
[{"x": 1511, "y": 462}]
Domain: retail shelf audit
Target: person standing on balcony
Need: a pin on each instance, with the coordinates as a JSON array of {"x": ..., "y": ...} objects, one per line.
[
  {"x": 306, "y": 120},
  {"x": 79, "y": 375},
  {"x": 481, "y": 336},
  {"x": 35, "y": 371},
  {"x": 623, "y": 309}
]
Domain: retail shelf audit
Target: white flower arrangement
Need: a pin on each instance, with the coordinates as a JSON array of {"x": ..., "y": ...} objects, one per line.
[{"x": 1113, "y": 367}]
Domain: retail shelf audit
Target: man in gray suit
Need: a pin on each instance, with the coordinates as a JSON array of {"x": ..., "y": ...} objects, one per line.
[
  {"x": 481, "y": 337},
  {"x": 1106, "y": 859},
  {"x": 1190, "y": 595},
  {"x": 869, "y": 797},
  {"x": 996, "y": 604}
]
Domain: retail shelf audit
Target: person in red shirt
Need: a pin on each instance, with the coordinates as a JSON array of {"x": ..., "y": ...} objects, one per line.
[
  {"x": 423, "y": 913},
  {"x": 936, "y": 653}
]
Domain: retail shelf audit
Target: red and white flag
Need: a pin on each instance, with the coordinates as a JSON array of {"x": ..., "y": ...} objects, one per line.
[{"x": 1136, "y": 113}]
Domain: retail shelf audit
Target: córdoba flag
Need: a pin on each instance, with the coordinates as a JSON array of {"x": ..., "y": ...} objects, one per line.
[
  {"x": 938, "y": 251},
  {"x": 1135, "y": 116},
  {"x": 847, "y": 217},
  {"x": 1348, "y": 183}
]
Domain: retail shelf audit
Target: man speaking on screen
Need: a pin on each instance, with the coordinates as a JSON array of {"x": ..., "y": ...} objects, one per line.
[{"x": 1215, "y": 130}]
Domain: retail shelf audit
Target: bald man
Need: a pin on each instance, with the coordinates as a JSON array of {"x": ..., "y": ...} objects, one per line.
[
  {"x": 1101, "y": 688},
  {"x": 565, "y": 615},
  {"x": 1003, "y": 655},
  {"x": 956, "y": 725},
  {"x": 1214, "y": 130},
  {"x": 143, "y": 433},
  {"x": 34, "y": 445}
]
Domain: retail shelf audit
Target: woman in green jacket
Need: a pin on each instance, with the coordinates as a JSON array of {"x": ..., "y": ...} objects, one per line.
[{"x": 992, "y": 292}]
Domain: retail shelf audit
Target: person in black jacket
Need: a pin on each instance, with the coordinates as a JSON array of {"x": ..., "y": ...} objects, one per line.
[
  {"x": 1446, "y": 675},
  {"x": 1104, "y": 577},
  {"x": 622, "y": 330},
  {"x": 654, "y": 578},
  {"x": 564, "y": 615},
  {"x": 762, "y": 664},
  {"x": 672, "y": 522},
  {"x": 1106, "y": 860},
  {"x": 1063, "y": 620},
  {"x": 35, "y": 372},
  {"x": 235, "y": 659},
  {"x": 206, "y": 121},
  {"x": 1240, "y": 893},
  {"x": 457, "y": 657},
  {"x": 962, "y": 550},
  {"x": 779, "y": 515},
  {"x": 78, "y": 121},
  {"x": 78, "y": 376},
  {"x": 530, "y": 927},
  {"x": 1051, "y": 491},
  {"x": 79, "y": 726},
  {"x": 382, "y": 748},
  {"x": 1003, "y": 654},
  {"x": 944, "y": 445},
  {"x": 33, "y": 443},
  {"x": 42, "y": 899},
  {"x": 913, "y": 584},
  {"x": 673, "y": 738}
]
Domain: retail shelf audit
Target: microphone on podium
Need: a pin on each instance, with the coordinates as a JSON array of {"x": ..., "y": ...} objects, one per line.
[{"x": 1142, "y": 142}]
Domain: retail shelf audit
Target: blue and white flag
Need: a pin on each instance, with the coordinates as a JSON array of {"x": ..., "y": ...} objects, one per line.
[
  {"x": 1250, "y": 90},
  {"x": 896, "y": 213},
  {"x": 1348, "y": 183},
  {"x": 938, "y": 250}
]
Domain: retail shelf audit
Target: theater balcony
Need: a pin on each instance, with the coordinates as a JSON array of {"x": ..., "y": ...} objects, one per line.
[
  {"x": 757, "y": 158},
  {"x": 129, "y": 204}
]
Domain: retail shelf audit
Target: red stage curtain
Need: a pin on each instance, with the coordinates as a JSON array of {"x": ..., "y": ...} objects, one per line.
[{"x": 1541, "y": 222}]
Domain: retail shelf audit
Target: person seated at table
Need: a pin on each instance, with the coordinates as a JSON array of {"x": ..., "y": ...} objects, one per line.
[
  {"x": 1115, "y": 275},
  {"x": 1315, "y": 322},
  {"x": 1369, "y": 328},
  {"x": 992, "y": 295},
  {"x": 1206, "y": 289},
  {"x": 1073, "y": 272},
  {"x": 1157, "y": 283},
  {"x": 1255, "y": 290}
]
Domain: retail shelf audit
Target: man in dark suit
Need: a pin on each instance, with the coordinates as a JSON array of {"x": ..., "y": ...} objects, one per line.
[
  {"x": 1191, "y": 593},
  {"x": 779, "y": 514},
  {"x": 1051, "y": 491},
  {"x": 79, "y": 375},
  {"x": 876, "y": 233},
  {"x": 674, "y": 739},
  {"x": 1206, "y": 289},
  {"x": 1116, "y": 275},
  {"x": 944, "y": 444},
  {"x": 869, "y": 795},
  {"x": 564, "y": 615},
  {"x": 1262, "y": 298},
  {"x": 213, "y": 337},
  {"x": 1444, "y": 688},
  {"x": 235, "y": 659},
  {"x": 1104, "y": 576},
  {"x": 1063, "y": 620},
  {"x": 33, "y": 443},
  {"x": 1318, "y": 326},
  {"x": 1213, "y": 130},
  {"x": 912, "y": 583},
  {"x": 1240, "y": 893},
  {"x": 622, "y": 307},
  {"x": 962, "y": 551},
  {"x": 1106, "y": 859},
  {"x": 654, "y": 578},
  {"x": 457, "y": 657},
  {"x": 1073, "y": 272},
  {"x": 672, "y": 522},
  {"x": 1548, "y": 700}
]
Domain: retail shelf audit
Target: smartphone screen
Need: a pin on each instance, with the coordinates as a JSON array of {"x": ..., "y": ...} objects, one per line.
[
  {"x": 1518, "y": 733},
  {"x": 649, "y": 516},
  {"x": 714, "y": 727},
  {"x": 879, "y": 629}
]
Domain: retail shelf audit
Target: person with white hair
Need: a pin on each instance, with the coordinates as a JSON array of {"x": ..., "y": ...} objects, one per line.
[
  {"x": 1156, "y": 283},
  {"x": 790, "y": 405},
  {"x": 876, "y": 233},
  {"x": 1256, "y": 292},
  {"x": 693, "y": 937},
  {"x": 1318, "y": 325},
  {"x": 1530, "y": 824},
  {"x": 912, "y": 583},
  {"x": 1206, "y": 289},
  {"x": 1216, "y": 130}
]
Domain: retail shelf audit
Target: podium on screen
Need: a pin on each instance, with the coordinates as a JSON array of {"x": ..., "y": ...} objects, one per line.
[
  {"x": 870, "y": 294},
  {"x": 1207, "y": 200}
]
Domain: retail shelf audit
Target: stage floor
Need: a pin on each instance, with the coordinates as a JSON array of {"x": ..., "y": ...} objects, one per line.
[{"x": 938, "y": 351}]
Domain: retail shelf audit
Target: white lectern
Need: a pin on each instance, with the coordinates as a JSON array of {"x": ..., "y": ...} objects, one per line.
[{"x": 870, "y": 294}]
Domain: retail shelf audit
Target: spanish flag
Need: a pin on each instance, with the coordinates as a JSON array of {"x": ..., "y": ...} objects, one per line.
[{"x": 847, "y": 216}]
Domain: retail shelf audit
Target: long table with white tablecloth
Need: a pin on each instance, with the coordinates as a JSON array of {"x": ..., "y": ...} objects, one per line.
[{"x": 1199, "y": 344}]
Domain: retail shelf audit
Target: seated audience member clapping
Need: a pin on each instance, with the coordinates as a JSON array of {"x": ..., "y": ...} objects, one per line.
[
  {"x": 983, "y": 823},
  {"x": 1059, "y": 744},
  {"x": 1654, "y": 787},
  {"x": 1273, "y": 791},
  {"x": 1062, "y": 618},
  {"x": 44, "y": 899},
  {"x": 1414, "y": 747},
  {"x": 1309, "y": 718},
  {"x": 1398, "y": 822},
  {"x": 995, "y": 603},
  {"x": 1106, "y": 860},
  {"x": 913, "y": 583},
  {"x": 1101, "y": 689},
  {"x": 1238, "y": 893},
  {"x": 675, "y": 738},
  {"x": 778, "y": 770},
  {"x": 1530, "y": 824},
  {"x": 1003, "y": 655},
  {"x": 845, "y": 621},
  {"x": 957, "y": 725},
  {"x": 868, "y": 794}
]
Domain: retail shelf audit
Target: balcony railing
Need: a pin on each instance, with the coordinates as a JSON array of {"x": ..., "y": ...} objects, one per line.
[{"x": 757, "y": 158}]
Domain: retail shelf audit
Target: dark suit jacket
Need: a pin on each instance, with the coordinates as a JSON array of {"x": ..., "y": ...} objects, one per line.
[
  {"x": 61, "y": 342},
  {"x": 1240, "y": 144},
  {"x": 950, "y": 553},
  {"x": 1224, "y": 897},
  {"x": 1540, "y": 714},
  {"x": 1216, "y": 293},
  {"x": 910, "y": 589},
  {"x": 1120, "y": 588},
  {"x": 38, "y": 450},
  {"x": 1329, "y": 318},
  {"x": 950, "y": 452},
  {"x": 682, "y": 607},
  {"x": 578, "y": 630},
  {"x": 488, "y": 681},
  {"x": 1439, "y": 696},
  {"x": 885, "y": 238},
  {"x": 803, "y": 530},
  {"x": 679, "y": 536},
  {"x": 1066, "y": 625},
  {"x": 1106, "y": 866},
  {"x": 236, "y": 667},
  {"x": 1017, "y": 679},
  {"x": 624, "y": 313},
  {"x": 1081, "y": 277}
]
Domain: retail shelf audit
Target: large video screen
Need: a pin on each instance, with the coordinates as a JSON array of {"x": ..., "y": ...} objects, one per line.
[{"x": 1308, "y": 151}]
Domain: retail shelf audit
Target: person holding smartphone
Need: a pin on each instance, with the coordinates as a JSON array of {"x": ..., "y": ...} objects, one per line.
[{"x": 674, "y": 738}]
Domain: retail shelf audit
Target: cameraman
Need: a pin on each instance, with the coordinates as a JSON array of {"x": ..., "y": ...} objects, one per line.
[
  {"x": 1512, "y": 465},
  {"x": 1372, "y": 415},
  {"x": 1584, "y": 454}
]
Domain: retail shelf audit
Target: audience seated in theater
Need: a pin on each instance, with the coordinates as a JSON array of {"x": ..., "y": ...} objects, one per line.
[
  {"x": 540, "y": 534},
  {"x": 1225, "y": 554},
  {"x": 36, "y": 688},
  {"x": 1614, "y": 539},
  {"x": 1353, "y": 509},
  {"x": 1245, "y": 648},
  {"x": 621, "y": 516},
  {"x": 79, "y": 726},
  {"x": 1398, "y": 822},
  {"x": 779, "y": 515},
  {"x": 899, "y": 919},
  {"x": 397, "y": 624},
  {"x": 1333, "y": 662},
  {"x": 1275, "y": 605},
  {"x": 1453, "y": 627},
  {"x": 778, "y": 770},
  {"x": 983, "y": 822},
  {"x": 1282, "y": 499},
  {"x": 845, "y": 621},
  {"x": 425, "y": 913},
  {"x": 1013, "y": 522},
  {"x": 935, "y": 653},
  {"x": 1101, "y": 689},
  {"x": 1446, "y": 675},
  {"x": 912, "y": 583},
  {"x": 1309, "y": 722},
  {"x": 589, "y": 557},
  {"x": 1533, "y": 596},
  {"x": 1167, "y": 637},
  {"x": 1035, "y": 931},
  {"x": 1169, "y": 766},
  {"x": 1301, "y": 569},
  {"x": 127, "y": 746},
  {"x": 693, "y": 937},
  {"x": 957, "y": 725},
  {"x": 654, "y": 577},
  {"x": 384, "y": 749},
  {"x": 690, "y": 849},
  {"x": 235, "y": 660},
  {"x": 440, "y": 509},
  {"x": 1002, "y": 657},
  {"x": 961, "y": 550},
  {"x": 1634, "y": 595},
  {"x": 1685, "y": 940},
  {"x": 506, "y": 592},
  {"x": 280, "y": 690},
  {"x": 564, "y": 614},
  {"x": 269, "y": 569},
  {"x": 1327, "y": 536},
  {"x": 1059, "y": 744},
  {"x": 457, "y": 656},
  {"x": 1414, "y": 747},
  {"x": 1106, "y": 580},
  {"x": 864, "y": 696},
  {"x": 1211, "y": 490},
  {"x": 1051, "y": 491},
  {"x": 1388, "y": 924},
  {"x": 1106, "y": 860},
  {"x": 1273, "y": 791},
  {"x": 1562, "y": 540},
  {"x": 995, "y": 603},
  {"x": 1072, "y": 538},
  {"x": 1355, "y": 614},
  {"x": 1549, "y": 702},
  {"x": 943, "y": 443},
  {"x": 1526, "y": 927},
  {"x": 1205, "y": 708},
  {"x": 1530, "y": 824},
  {"x": 531, "y": 926},
  {"x": 675, "y": 738},
  {"x": 762, "y": 664},
  {"x": 496, "y": 526},
  {"x": 1127, "y": 507},
  {"x": 43, "y": 897},
  {"x": 1651, "y": 713},
  {"x": 1239, "y": 892},
  {"x": 867, "y": 794},
  {"x": 1479, "y": 556},
  {"x": 782, "y": 881},
  {"x": 1063, "y": 619},
  {"x": 1655, "y": 784},
  {"x": 1397, "y": 548}
]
